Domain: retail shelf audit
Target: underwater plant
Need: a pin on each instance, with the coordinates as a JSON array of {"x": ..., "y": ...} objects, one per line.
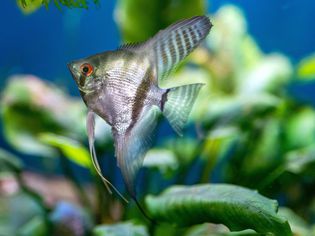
[
  {"x": 30, "y": 6},
  {"x": 245, "y": 165}
]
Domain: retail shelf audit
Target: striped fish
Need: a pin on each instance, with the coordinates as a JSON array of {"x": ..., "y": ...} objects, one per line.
[{"x": 122, "y": 87}]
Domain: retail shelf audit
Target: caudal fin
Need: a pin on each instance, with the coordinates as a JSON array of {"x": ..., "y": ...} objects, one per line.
[{"x": 178, "y": 104}]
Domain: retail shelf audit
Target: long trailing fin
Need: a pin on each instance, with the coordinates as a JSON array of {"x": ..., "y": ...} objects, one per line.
[
  {"x": 143, "y": 211},
  {"x": 178, "y": 104},
  {"x": 131, "y": 146},
  {"x": 90, "y": 126}
]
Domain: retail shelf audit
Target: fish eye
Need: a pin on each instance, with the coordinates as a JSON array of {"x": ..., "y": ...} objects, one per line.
[{"x": 86, "y": 69}]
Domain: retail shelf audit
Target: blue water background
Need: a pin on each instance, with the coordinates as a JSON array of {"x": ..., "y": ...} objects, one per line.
[{"x": 42, "y": 43}]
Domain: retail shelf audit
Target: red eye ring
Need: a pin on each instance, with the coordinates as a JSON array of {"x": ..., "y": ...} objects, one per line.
[{"x": 86, "y": 69}]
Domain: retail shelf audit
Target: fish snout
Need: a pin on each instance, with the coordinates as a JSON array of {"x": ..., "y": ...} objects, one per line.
[{"x": 73, "y": 70}]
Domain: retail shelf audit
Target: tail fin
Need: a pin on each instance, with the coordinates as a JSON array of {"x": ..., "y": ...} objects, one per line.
[{"x": 178, "y": 104}]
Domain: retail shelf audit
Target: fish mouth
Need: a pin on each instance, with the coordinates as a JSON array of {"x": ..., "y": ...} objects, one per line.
[
  {"x": 75, "y": 74},
  {"x": 73, "y": 70}
]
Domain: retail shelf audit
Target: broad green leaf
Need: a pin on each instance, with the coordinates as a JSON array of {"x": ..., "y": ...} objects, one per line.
[
  {"x": 217, "y": 230},
  {"x": 306, "y": 68},
  {"x": 236, "y": 207},
  {"x": 120, "y": 229},
  {"x": 141, "y": 19},
  {"x": 70, "y": 148},
  {"x": 298, "y": 225}
]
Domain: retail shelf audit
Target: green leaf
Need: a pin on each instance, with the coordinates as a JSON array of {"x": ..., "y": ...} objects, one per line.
[
  {"x": 306, "y": 68},
  {"x": 73, "y": 150},
  {"x": 236, "y": 207},
  {"x": 184, "y": 149},
  {"x": 298, "y": 225},
  {"x": 232, "y": 109},
  {"x": 36, "y": 226},
  {"x": 298, "y": 160},
  {"x": 8, "y": 160},
  {"x": 217, "y": 230},
  {"x": 29, "y": 6},
  {"x": 120, "y": 229},
  {"x": 162, "y": 159},
  {"x": 19, "y": 212},
  {"x": 300, "y": 128}
]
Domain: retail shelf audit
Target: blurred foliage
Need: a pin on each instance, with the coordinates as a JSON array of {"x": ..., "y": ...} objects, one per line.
[
  {"x": 20, "y": 214},
  {"x": 306, "y": 68},
  {"x": 70, "y": 220},
  {"x": 120, "y": 229},
  {"x": 137, "y": 24},
  {"x": 47, "y": 111},
  {"x": 71, "y": 149},
  {"x": 30, "y": 6},
  {"x": 246, "y": 129}
]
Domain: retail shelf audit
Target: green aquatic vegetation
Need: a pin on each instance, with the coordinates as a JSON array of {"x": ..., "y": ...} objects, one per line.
[
  {"x": 45, "y": 106},
  {"x": 246, "y": 129},
  {"x": 120, "y": 229},
  {"x": 236, "y": 207},
  {"x": 29, "y": 6},
  {"x": 137, "y": 25},
  {"x": 306, "y": 68}
]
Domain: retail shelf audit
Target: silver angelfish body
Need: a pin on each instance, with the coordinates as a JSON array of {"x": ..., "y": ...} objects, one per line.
[{"x": 122, "y": 87}]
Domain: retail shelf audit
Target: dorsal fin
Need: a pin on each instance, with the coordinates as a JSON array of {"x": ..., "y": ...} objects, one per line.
[
  {"x": 174, "y": 43},
  {"x": 171, "y": 45},
  {"x": 131, "y": 46}
]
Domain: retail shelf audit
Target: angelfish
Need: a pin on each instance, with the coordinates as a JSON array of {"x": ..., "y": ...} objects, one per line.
[{"x": 122, "y": 87}]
